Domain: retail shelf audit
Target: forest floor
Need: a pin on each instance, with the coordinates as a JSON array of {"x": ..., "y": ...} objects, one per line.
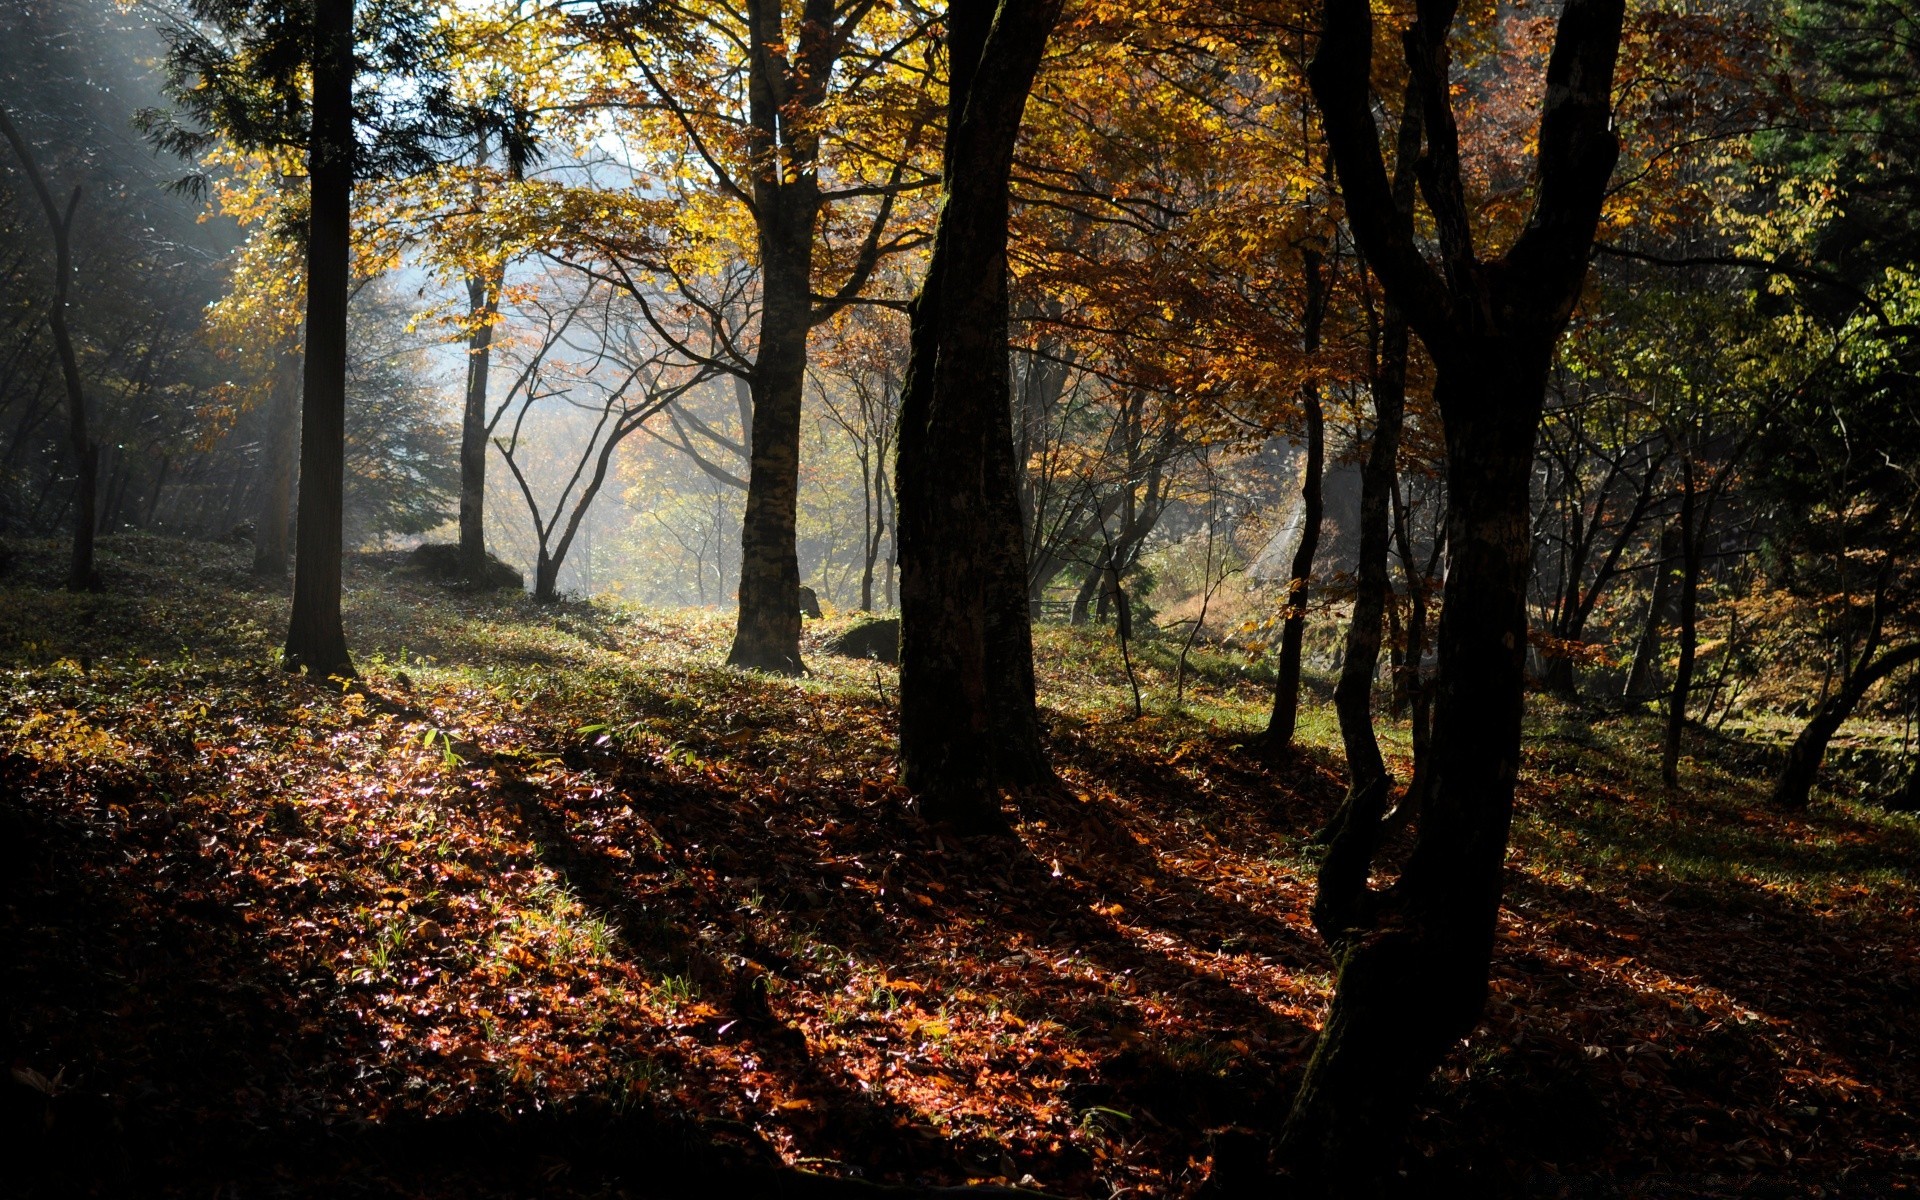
[{"x": 557, "y": 904}]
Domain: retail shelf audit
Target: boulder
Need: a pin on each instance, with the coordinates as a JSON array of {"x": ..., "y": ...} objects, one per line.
[
  {"x": 809, "y": 603},
  {"x": 876, "y": 638}
]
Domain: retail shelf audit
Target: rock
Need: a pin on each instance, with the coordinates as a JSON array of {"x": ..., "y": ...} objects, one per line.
[
  {"x": 876, "y": 638},
  {"x": 442, "y": 561},
  {"x": 809, "y": 603}
]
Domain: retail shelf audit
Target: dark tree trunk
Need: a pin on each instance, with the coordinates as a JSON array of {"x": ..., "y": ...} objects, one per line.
[
  {"x": 1793, "y": 790},
  {"x": 1412, "y": 962},
  {"x": 483, "y": 298},
  {"x": 1353, "y": 694},
  {"x": 962, "y": 615},
  {"x": 1286, "y": 689},
  {"x": 316, "y": 641},
  {"x": 1019, "y": 756},
  {"x": 1643, "y": 679},
  {"x": 274, "y": 522},
  {"x": 81, "y": 577},
  {"x": 1693, "y": 543},
  {"x": 1412, "y": 976}
]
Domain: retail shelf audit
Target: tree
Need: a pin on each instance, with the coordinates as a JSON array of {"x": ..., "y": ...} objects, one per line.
[
  {"x": 81, "y": 576},
  {"x": 644, "y": 379},
  {"x": 1286, "y": 689},
  {"x": 811, "y": 137},
  {"x": 967, "y": 716},
  {"x": 1412, "y": 963},
  {"x": 278, "y": 76}
]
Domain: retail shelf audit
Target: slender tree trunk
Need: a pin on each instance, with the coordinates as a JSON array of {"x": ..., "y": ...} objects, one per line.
[
  {"x": 1019, "y": 755},
  {"x": 483, "y": 298},
  {"x": 954, "y": 477},
  {"x": 81, "y": 576},
  {"x": 316, "y": 641},
  {"x": 274, "y": 521},
  {"x": 767, "y": 637},
  {"x": 1693, "y": 543},
  {"x": 1286, "y": 690},
  {"x": 1353, "y": 695},
  {"x": 1793, "y": 789},
  {"x": 871, "y": 530},
  {"x": 1643, "y": 679}
]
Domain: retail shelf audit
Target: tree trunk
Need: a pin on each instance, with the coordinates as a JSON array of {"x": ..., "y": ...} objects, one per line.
[
  {"x": 1793, "y": 790},
  {"x": 483, "y": 298},
  {"x": 767, "y": 637},
  {"x": 1693, "y": 543},
  {"x": 1412, "y": 962},
  {"x": 1643, "y": 680},
  {"x": 1286, "y": 689},
  {"x": 546, "y": 577},
  {"x": 316, "y": 641},
  {"x": 1019, "y": 755},
  {"x": 81, "y": 576},
  {"x": 1353, "y": 695},
  {"x": 274, "y": 522},
  {"x": 954, "y": 471},
  {"x": 1412, "y": 977}
]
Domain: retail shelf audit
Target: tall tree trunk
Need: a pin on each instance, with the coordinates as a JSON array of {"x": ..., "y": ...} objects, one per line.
[
  {"x": 1412, "y": 962},
  {"x": 1353, "y": 695},
  {"x": 1019, "y": 755},
  {"x": 1793, "y": 789},
  {"x": 953, "y": 471},
  {"x": 1643, "y": 679},
  {"x": 483, "y": 299},
  {"x": 1286, "y": 689},
  {"x": 274, "y": 522},
  {"x": 1693, "y": 544},
  {"x": 316, "y": 641},
  {"x": 767, "y": 637},
  {"x": 81, "y": 576},
  {"x": 1379, "y": 479}
]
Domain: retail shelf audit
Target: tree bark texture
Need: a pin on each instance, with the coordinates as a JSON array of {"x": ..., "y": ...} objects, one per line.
[
  {"x": 963, "y": 607},
  {"x": 81, "y": 576},
  {"x": 274, "y": 523},
  {"x": 1412, "y": 962},
  {"x": 316, "y": 640}
]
